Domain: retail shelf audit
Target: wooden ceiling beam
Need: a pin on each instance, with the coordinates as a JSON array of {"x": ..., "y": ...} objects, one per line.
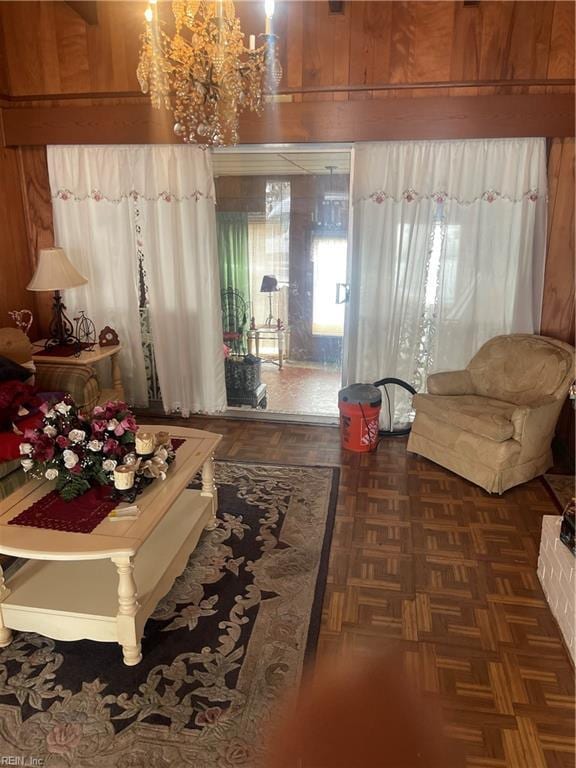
[
  {"x": 86, "y": 9},
  {"x": 370, "y": 120}
]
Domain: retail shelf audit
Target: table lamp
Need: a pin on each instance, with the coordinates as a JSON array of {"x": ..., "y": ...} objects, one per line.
[
  {"x": 269, "y": 286},
  {"x": 55, "y": 272}
]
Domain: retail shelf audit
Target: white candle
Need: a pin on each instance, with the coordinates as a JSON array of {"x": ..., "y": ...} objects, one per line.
[
  {"x": 252, "y": 42},
  {"x": 145, "y": 443},
  {"x": 123, "y": 478}
]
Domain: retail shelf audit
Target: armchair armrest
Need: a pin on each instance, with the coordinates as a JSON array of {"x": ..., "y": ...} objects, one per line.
[
  {"x": 534, "y": 425},
  {"x": 450, "y": 383},
  {"x": 79, "y": 381}
]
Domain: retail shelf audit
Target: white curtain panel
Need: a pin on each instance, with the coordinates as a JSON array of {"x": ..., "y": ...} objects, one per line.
[
  {"x": 448, "y": 250},
  {"x": 93, "y": 223},
  {"x": 116, "y": 204}
]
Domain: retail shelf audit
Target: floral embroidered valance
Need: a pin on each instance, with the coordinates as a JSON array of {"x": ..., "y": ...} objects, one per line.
[
  {"x": 119, "y": 173},
  {"x": 464, "y": 172}
]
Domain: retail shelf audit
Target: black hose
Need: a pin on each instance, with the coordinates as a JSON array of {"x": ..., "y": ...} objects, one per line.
[{"x": 409, "y": 388}]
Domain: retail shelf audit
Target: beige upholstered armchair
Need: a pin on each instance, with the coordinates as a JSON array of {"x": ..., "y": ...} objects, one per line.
[{"x": 493, "y": 422}]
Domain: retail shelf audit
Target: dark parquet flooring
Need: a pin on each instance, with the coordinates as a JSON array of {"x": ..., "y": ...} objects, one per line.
[{"x": 426, "y": 563}]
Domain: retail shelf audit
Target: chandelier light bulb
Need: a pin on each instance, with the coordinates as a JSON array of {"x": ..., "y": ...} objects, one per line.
[
  {"x": 149, "y": 14},
  {"x": 269, "y": 6}
]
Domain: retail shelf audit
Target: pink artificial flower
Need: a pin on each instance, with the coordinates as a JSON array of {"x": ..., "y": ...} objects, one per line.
[
  {"x": 98, "y": 411},
  {"x": 128, "y": 424},
  {"x": 62, "y": 442},
  {"x": 43, "y": 448},
  {"x": 98, "y": 427},
  {"x": 111, "y": 446},
  {"x": 76, "y": 469}
]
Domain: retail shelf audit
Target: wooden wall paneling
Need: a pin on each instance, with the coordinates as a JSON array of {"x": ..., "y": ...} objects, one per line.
[
  {"x": 496, "y": 22},
  {"x": 433, "y": 41},
  {"x": 340, "y": 29},
  {"x": 22, "y": 47},
  {"x": 15, "y": 267},
  {"x": 402, "y": 42},
  {"x": 72, "y": 49},
  {"x": 397, "y": 42},
  {"x": 561, "y": 57},
  {"x": 4, "y": 79},
  {"x": 319, "y": 49},
  {"x": 294, "y": 27},
  {"x": 35, "y": 186},
  {"x": 558, "y": 305},
  {"x": 370, "y": 29},
  {"x": 529, "y": 40},
  {"x": 246, "y": 194},
  {"x": 466, "y": 48}
]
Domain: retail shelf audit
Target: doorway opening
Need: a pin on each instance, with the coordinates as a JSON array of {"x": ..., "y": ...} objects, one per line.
[{"x": 282, "y": 222}]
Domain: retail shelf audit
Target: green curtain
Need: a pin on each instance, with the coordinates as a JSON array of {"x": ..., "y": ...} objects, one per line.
[{"x": 233, "y": 253}]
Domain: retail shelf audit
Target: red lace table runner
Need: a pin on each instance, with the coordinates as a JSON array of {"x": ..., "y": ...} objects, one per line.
[{"x": 81, "y": 515}]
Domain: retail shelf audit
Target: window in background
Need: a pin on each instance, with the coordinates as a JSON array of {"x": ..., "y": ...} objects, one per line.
[{"x": 329, "y": 258}]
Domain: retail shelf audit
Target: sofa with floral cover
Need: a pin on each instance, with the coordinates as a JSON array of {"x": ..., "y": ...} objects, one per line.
[{"x": 21, "y": 399}]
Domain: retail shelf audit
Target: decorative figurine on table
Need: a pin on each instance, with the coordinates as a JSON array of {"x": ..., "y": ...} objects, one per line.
[
  {"x": 85, "y": 331},
  {"x": 152, "y": 455},
  {"x": 108, "y": 337},
  {"x": 23, "y": 319}
]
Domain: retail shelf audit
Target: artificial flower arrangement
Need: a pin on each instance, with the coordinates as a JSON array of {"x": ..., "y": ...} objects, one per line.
[{"x": 79, "y": 451}]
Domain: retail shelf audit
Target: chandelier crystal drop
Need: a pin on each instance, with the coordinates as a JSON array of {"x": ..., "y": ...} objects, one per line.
[{"x": 203, "y": 72}]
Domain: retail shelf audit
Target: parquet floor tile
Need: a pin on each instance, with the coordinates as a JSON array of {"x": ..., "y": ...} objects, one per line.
[{"x": 425, "y": 563}]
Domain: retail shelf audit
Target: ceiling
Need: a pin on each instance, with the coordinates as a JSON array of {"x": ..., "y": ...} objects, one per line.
[{"x": 279, "y": 163}]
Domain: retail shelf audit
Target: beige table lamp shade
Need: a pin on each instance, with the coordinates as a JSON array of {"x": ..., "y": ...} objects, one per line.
[{"x": 55, "y": 272}]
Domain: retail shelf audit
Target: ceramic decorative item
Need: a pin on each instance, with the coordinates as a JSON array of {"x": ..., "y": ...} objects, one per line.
[
  {"x": 108, "y": 337},
  {"x": 23, "y": 319}
]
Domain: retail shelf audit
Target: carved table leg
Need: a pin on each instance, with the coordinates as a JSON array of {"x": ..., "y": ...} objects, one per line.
[
  {"x": 127, "y": 609},
  {"x": 5, "y": 633},
  {"x": 209, "y": 489},
  {"x": 117, "y": 377}
]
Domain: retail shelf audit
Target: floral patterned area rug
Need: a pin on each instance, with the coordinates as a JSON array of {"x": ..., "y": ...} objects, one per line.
[{"x": 220, "y": 652}]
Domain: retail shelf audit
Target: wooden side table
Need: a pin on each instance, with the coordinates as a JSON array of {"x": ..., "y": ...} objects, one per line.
[
  {"x": 265, "y": 332},
  {"x": 87, "y": 358}
]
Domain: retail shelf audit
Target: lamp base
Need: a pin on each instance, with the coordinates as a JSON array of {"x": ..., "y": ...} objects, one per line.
[{"x": 60, "y": 330}]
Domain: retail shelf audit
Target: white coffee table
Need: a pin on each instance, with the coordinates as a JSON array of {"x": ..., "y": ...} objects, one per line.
[{"x": 104, "y": 585}]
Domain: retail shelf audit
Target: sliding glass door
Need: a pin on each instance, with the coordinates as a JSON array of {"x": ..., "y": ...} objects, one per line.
[{"x": 282, "y": 219}]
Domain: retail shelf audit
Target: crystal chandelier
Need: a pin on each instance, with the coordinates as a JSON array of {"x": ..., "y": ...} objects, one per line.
[{"x": 203, "y": 72}]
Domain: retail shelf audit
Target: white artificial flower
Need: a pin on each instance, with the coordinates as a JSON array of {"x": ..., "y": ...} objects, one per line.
[
  {"x": 27, "y": 464},
  {"x": 77, "y": 435},
  {"x": 95, "y": 445},
  {"x": 50, "y": 414},
  {"x": 25, "y": 448},
  {"x": 112, "y": 424},
  {"x": 130, "y": 459},
  {"x": 50, "y": 430},
  {"x": 51, "y": 474},
  {"x": 62, "y": 408},
  {"x": 109, "y": 465},
  {"x": 161, "y": 453},
  {"x": 70, "y": 458}
]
